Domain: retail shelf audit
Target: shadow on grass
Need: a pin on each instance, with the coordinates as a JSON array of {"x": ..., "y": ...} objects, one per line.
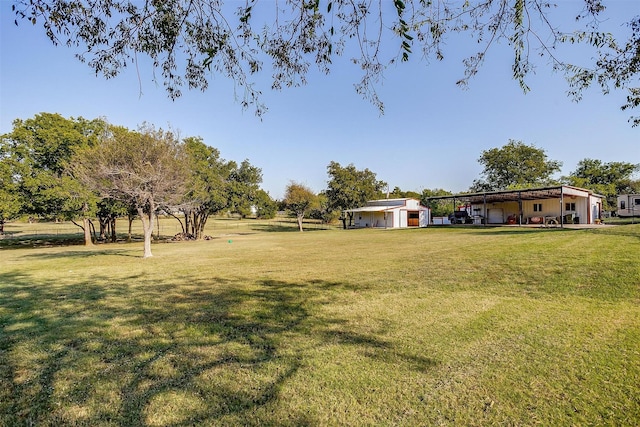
[
  {"x": 90, "y": 252},
  {"x": 44, "y": 241},
  {"x": 37, "y": 242},
  {"x": 133, "y": 351}
]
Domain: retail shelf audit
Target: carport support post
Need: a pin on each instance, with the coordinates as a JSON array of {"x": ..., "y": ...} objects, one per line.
[
  {"x": 519, "y": 207},
  {"x": 561, "y": 208},
  {"x": 484, "y": 202}
]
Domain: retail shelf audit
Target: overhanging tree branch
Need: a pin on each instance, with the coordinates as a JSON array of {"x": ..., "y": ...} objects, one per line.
[{"x": 189, "y": 40}]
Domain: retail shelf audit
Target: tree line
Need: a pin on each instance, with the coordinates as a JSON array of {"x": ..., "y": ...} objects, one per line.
[
  {"x": 74, "y": 169},
  {"x": 56, "y": 168}
]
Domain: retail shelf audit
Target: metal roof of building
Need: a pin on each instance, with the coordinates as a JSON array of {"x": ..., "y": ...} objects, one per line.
[{"x": 374, "y": 208}]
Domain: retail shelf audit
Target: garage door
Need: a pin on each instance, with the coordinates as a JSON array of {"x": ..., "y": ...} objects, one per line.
[
  {"x": 414, "y": 219},
  {"x": 495, "y": 216}
]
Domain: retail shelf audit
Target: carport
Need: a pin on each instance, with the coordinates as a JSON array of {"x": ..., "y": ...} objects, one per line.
[{"x": 557, "y": 205}]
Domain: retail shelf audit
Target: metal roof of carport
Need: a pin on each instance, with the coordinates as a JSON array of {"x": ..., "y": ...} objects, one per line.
[
  {"x": 374, "y": 208},
  {"x": 553, "y": 192}
]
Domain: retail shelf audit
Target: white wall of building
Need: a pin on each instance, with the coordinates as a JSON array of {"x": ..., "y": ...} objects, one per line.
[{"x": 395, "y": 216}]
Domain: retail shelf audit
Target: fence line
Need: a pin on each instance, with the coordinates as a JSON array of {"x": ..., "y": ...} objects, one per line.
[
  {"x": 34, "y": 233},
  {"x": 166, "y": 228}
]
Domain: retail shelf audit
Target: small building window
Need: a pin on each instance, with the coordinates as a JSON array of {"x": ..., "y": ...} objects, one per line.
[
  {"x": 569, "y": 206},
  {"x": 537, "y": 207},
  {"x": 637, "y": 202},
  {"x": 623, "y": 205}
]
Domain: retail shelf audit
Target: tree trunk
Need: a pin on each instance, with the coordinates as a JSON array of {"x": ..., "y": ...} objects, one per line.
[
  {"x": 179, "y": 220},
  {"x": 1, "y": 226},
  {"x": 147, "y": 227},
  {"x": 130, "y": 226},
  {"x": 197, "y": 220},
  {"x": 196, "y": 225},
  {"x": 300, "y": 217},
  {"x": 203, "y": 221},
  {"x": 87, "y": 232},
  {"x": 103, "y": 227},
  {"x": 114, "y": 236},
  {"x": 93, "y": 231},
  {"x": 187, "y": 221},
  {"x": 107, "y": 229}
]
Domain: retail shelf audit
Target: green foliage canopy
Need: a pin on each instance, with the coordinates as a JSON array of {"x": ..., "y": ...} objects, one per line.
[
  {"x": 397, "y": 193},
  {"x": 438, "y": 207},
  {"x": 244, "y": 184},
  {"x": 206, "y": 189},
  {"x": 323, "y": 210},
  {"x": 299, "y": 199},
  {"x": 349, "y": 187},
  {"x": 10, "y": 201},
  {"x": 597, "y": 172},
  {"x": 515, "y": 165},
  {"x": 38, "y": 153},
  {"x": 608, "y": 179},
  {"x": 266, "y": 207}
]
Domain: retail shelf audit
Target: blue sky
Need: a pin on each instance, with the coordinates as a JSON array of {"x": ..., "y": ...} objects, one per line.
[{"x": 431, "y": 135}]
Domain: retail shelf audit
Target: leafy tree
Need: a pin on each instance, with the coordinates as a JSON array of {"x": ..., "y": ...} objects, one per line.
[
  {"x": 77, "y": 201},
  {"x": 323, "y": 210},
  {"x": 144, "y": 168},
  {"x": 10, "y": 200},
  {"x": 608, "y": 179},
  {"x": 41, "y": 150},
  {"x": 515, "y": 165},
  {"x": 244, "y": 184},
  {"x": 207, "y": 185},
  {"x": 397, "y": 193},
  {"x": 595, "y": 172},
  {"x": 132, "y": 213},
  {"x": 299, "y": 199},
  {"x": 190, "y": 40},
  {"x": 108, "y": 211},
  {"x": 438, "y": 207},
  {"x": 630, "y": 186},
  {"x": 266, "y": 207},
  {"x": 349, "y": 188}
]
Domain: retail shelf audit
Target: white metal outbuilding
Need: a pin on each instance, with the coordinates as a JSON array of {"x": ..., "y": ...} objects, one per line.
[{"x": 390, "y": 213}]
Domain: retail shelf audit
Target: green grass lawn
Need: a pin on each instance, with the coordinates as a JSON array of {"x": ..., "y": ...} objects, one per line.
[{"x": 448, "y": 326}]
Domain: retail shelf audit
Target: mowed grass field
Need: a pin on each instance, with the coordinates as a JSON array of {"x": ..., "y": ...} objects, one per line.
[{"x": 437, "y": 326}]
